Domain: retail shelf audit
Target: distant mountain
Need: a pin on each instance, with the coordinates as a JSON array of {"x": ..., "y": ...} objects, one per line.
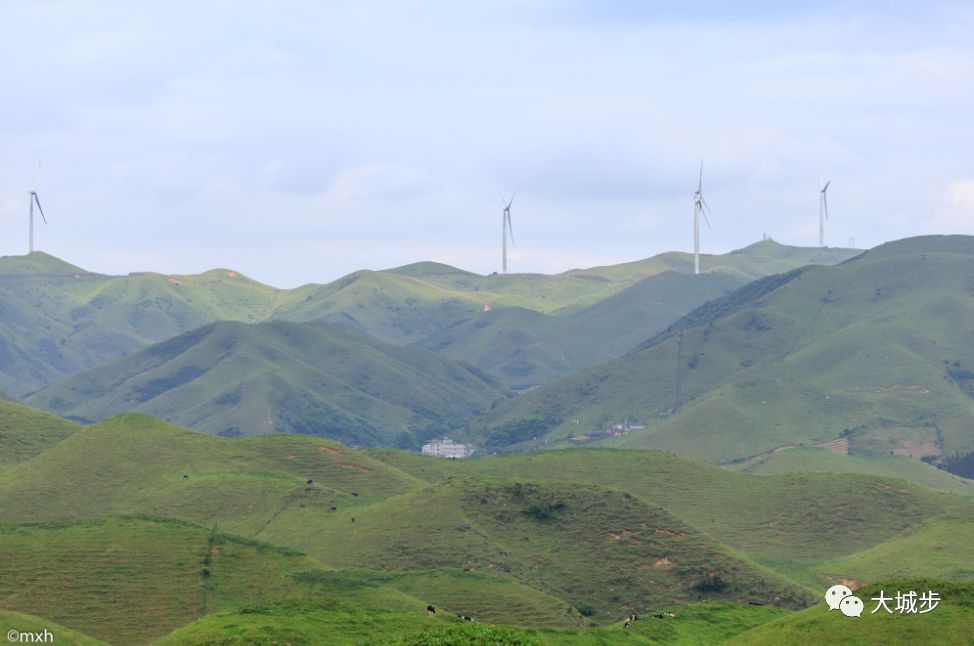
[
  {"x": 57, "y": 320},
  {"x": 233, "y": 379},
  {"x": 872, "y": 356}
]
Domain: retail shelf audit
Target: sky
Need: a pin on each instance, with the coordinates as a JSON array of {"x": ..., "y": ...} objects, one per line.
[{"x": 300, "y": 141}]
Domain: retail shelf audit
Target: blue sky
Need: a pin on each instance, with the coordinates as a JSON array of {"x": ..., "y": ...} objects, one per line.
[{"x": 300, "y": 141}]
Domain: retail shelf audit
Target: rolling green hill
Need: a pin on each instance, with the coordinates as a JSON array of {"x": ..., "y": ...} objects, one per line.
[
  {"x": 593, "y": 546},
  {"x": 26, "y": 432},
  {"x": 132, "y": 464},
  {"x": 892, "y": 466},
  {"x": 952, "y": 622},
  {"x": 131, "y": 579},
  {"x": 237, "y": 379},
  {"x": 57, "y": 319},
  {"x": 24, "y": 623},
  {"x": 526, "y": 539},
  {"x": 873, "y": 351}
]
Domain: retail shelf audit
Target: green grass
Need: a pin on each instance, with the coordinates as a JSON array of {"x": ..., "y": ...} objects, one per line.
[
  {"x": 26, "y": 432},
  {"x": 799, "y": 459},
  {"x": 130, "y": 579},
  {"x": 874, "y": 348},
  {"x": 339, "y": 623},
  {"x": 588, "y": 545},
  {"x": 939, "y": 548},
  {"x": 950, "y": 623},
  {"x": 136, "y": 464},
  {"x": 22, "y": 623},
  {"x": 789, "y": 522},
  {"x": 238, "y": 379},
  {"x": 488, "y": 598}
]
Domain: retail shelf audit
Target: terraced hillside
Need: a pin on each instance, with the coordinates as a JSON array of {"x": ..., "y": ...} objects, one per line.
[
  {"x": 129, "y": 580},
  {"x": 874, "y": 351},
  {"x": 236, "y": 379}
]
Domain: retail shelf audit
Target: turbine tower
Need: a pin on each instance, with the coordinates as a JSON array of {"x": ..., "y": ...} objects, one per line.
[
  {"x": 700, "y": 207},
  {"x": 506, "y": 229},
  {"x": 823, "y": 210},
  {"x": 34, "y": 200}
]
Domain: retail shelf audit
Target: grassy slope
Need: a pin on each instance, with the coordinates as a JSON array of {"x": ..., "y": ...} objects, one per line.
[
  {"x": 26, "y": 432},
  {"x": 131, "y": 579},
  {"x": 135, "y": 464},
  {"x": 803, "y": 459},
  {"x": 586, "y": 544},
  {"x": 20, "y": 622},
  {"x": 876, "y": 345},
  {"x": 789, "y": 522},
  {"x": 314, "y": 379},
  {"x": 939, "y": 548},
  {"x": 316, "y": 623},
  {"x": 951, "y": 623}
]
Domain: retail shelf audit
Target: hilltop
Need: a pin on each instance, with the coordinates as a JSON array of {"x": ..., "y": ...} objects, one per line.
[
  {"x": 57, "y": 319},
  {"x": 868, "y": 357},
  {"x": 236, "y": 379}
]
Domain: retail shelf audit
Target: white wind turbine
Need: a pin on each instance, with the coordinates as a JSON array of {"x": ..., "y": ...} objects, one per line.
[
  {"x": 823, "y": 210},
  {"x": 34, "y": 200},
  {"x": 506, "y": 229},
  {"x": 700, "y": 207}
]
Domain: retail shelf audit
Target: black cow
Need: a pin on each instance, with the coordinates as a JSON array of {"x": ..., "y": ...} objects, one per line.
[{"x": 430, "y": 609}]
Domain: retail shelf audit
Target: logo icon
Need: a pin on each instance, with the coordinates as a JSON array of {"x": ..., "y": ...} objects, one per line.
[{"x": 840, "y": 597}]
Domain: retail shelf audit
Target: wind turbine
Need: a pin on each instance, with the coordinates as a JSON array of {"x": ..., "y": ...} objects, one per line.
[
  {"x": 34, "y": 200},
  {"x": 700, "y": 207},
  {"x": 505, "y": 228},
  {"x": 823, "y": 210}
]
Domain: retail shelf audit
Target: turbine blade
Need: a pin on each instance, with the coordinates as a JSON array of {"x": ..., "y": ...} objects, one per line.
[
  {"x": 826, "y": 187},
  {"x": 700, "y": 182},
  {"x": 825, "y": 205},
  {"x": 510, "y": 227},
  {"x": 39, "y": 206},
  {"x": 511, "y": 201}
]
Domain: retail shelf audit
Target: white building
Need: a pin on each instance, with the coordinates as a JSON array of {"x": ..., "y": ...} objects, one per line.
[{"x": 447, "y": 448}]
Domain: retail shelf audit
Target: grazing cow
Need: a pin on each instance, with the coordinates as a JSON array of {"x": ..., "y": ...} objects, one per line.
[
  {"x": 627, "y": 624},
  {"x": 659, "y": 616},
  {"x": 671, "y": 614},
  {"x": 334, "y": 508},
  {"x": 185, "y": 477},
  {"x": 465, "y": 617},
  {"x": 310, "y": 482},
  {"x": 430, "y": 609},
  {"x": 355, "y": 493}
]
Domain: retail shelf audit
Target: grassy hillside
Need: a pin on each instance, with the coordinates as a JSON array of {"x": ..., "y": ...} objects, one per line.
[
  {"x": 790, "y": 522},
  {"x": 135, "y": 464},
  {"x": 129, "y": 580},
  {"x": 892, "y": 466},
  {"x": 236, "y": 379},
  {"x": 597, "y": 548},
  {"x": 22, "y": 623},
  {"x": 951, "y": 623},
  {"x": 873, "y": 350},
  {"x": 26, "y": 432},
  {"x": 57, "y": 319},
  {"x": 317, "y": 623},
  {"x": 939, "y": 548}
]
